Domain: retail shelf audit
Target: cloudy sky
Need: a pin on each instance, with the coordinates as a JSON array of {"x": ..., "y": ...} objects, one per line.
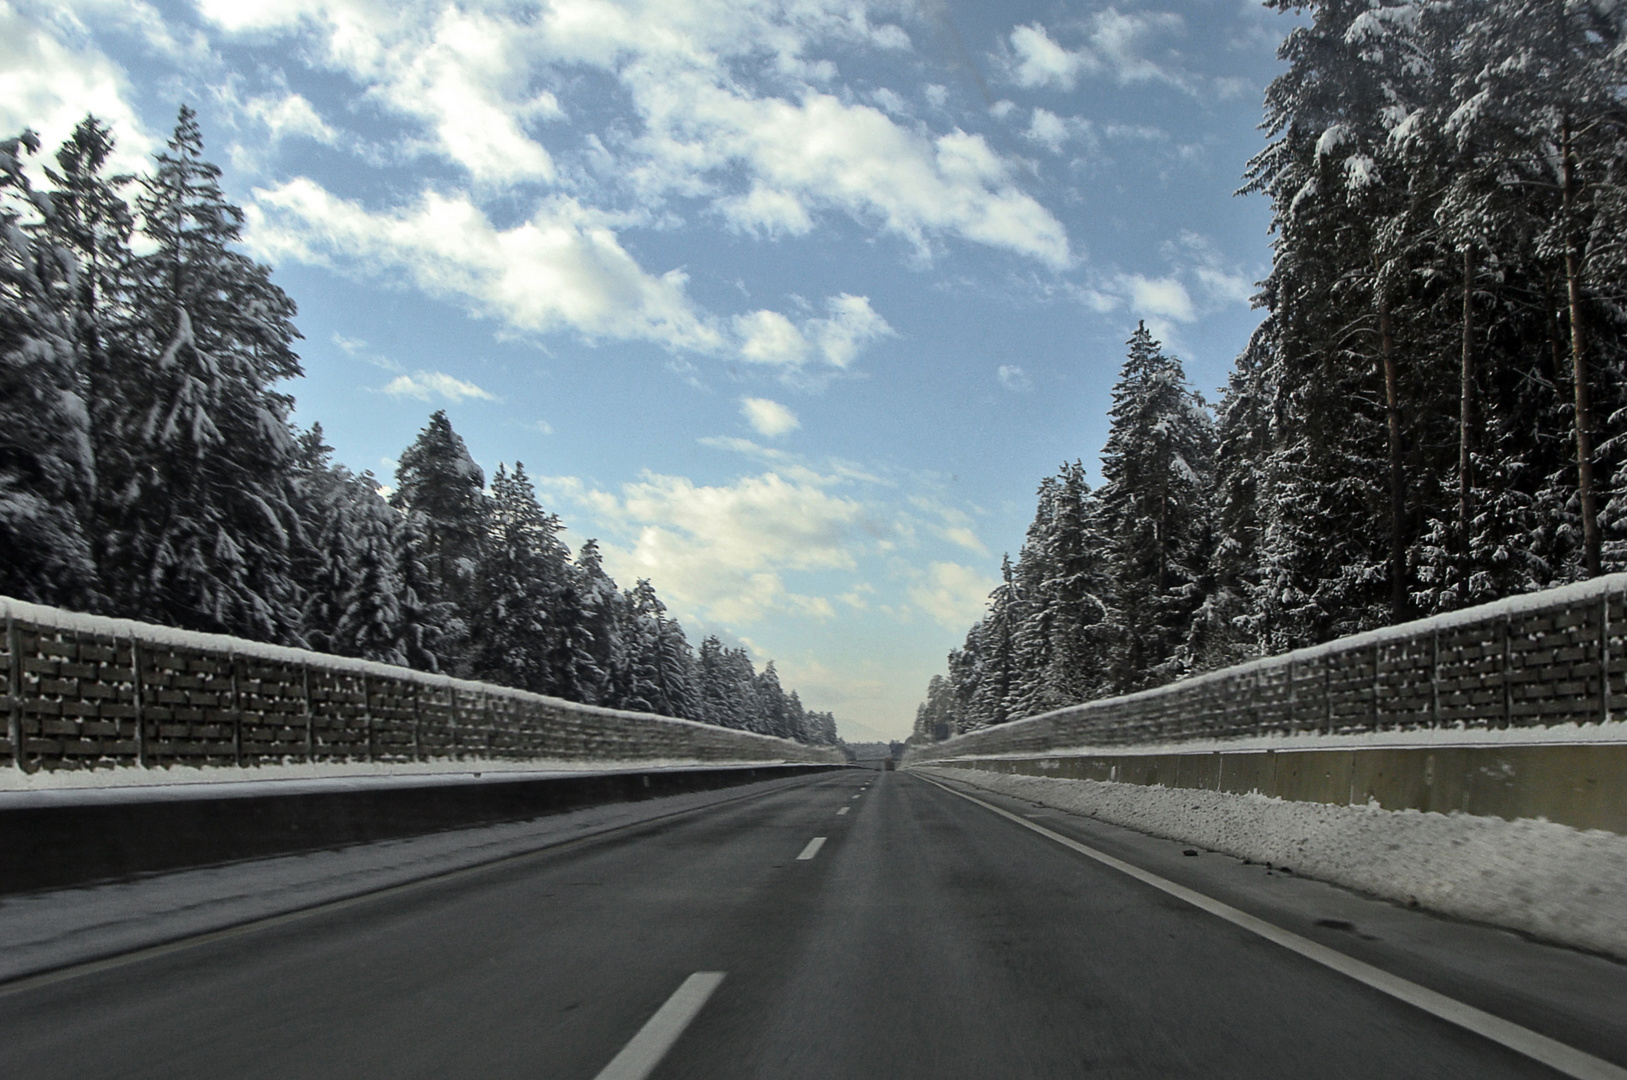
[{"x": 791, "y": 304}]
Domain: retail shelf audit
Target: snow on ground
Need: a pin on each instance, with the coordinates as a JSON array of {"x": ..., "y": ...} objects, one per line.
[
  {"x": 1551, "y": 881},
  {"x": 1611, "y": 733},
  {"x": 45, "y": 930},
  {"x": 130, "y": 782}
]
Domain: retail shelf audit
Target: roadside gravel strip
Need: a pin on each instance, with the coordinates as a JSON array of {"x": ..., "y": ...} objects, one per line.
[
  {"x": 1553, "y": 882},
  {"x": 44, "y": 931}
]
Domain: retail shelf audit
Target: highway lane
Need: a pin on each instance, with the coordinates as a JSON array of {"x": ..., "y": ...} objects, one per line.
[{"x": 926, "y": 937}]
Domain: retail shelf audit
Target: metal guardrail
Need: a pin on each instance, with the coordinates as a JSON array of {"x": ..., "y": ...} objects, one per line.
[
  {"x": 85, "y": 691},
  {"x": 1536, "y": 660}
]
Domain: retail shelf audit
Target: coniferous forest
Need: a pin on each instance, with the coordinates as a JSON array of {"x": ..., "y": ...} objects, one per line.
[
  {"x": 1429, "y": 415},
  {"x": 149, "y": 470}
]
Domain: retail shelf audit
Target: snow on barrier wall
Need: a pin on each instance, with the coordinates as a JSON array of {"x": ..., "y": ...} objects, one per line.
[
  {"x": 1537, "y": 660},
  {"x": 85, "y": 691}
]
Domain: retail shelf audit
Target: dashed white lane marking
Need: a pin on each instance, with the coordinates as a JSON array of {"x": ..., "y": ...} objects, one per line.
[
  {"x": 843, "y": 810},
  {"x": 1556, "y": 1055},
  {"x": 640, "y": 1057},
  {"x": 860, "y": 793},
  {"x": 813, "y": 848}
]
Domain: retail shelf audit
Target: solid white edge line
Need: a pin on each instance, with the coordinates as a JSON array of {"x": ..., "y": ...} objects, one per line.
[
  {"x": 640, "y": 1056},
  {"x": 843, "y": 810},
  {"x": 813, "y": 848},
  {"x": 1556, "y": 1055}
]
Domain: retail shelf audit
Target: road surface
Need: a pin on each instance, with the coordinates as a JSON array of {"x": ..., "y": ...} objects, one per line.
[{"x": 925, "y": 936}]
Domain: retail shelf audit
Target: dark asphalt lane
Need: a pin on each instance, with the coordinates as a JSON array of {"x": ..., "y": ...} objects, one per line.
[{"x": 927, "y": 938}]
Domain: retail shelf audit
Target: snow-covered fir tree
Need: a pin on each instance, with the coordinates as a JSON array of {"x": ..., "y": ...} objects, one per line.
[
  {"x": 142, "y": 405},
  {"x": 200, "y": 501},
  {"x": 47, "y": 471},
  {"x": 517, "y": 619},
  {"x": 1157, "y": 469},
  {"x": 439, "y": 485}
]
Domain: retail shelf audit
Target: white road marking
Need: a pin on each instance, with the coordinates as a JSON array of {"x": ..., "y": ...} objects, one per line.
[
  {"x": 856, "y": 796},
  {"x": 843, "y": 810},
  {"x": 640, "y": 1057},
  {"x": 1556, "y": 1055},
  {"x": 813, "y": 848}
]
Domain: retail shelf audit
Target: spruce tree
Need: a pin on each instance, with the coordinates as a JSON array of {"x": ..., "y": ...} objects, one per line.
[
  {"x": 440, "y": 487},
  {"x": 47, "y": 474},
  {"x": 516, "y": 633},
  {"x": 201, "y": 503},
  {"x": 1158, "y": 468}
]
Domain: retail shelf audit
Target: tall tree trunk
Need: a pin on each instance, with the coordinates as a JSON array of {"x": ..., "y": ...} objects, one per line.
[
  {"x": 1584, "y": 415},
  {"x": 1466, "y": 414},
  {"x": 1398, "y": 489}
]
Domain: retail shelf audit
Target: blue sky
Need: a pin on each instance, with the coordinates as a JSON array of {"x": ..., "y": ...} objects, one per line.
[{"x": 792, "y": 305}]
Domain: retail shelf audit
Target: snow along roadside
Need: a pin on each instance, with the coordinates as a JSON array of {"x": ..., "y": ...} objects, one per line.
[
  {"x": 45, "y": 930},
  {"x": 1553, "y": 882}
]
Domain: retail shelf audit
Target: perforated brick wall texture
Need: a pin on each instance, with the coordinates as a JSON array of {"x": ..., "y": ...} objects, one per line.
[{"x": 84, "y": 691}]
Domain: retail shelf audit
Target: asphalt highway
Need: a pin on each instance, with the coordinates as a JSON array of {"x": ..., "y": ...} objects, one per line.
[{"x": 923, "y": 936}]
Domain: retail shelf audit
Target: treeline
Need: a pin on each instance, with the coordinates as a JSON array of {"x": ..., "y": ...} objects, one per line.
[
  {"x": 149, "y": 469},
  {"x": 1429, "y": 414}
]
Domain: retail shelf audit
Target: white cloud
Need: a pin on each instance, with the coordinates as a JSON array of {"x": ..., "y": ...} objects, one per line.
[
  {"x": 953, "y": 524},
  {"x": 1013, "y": 377},
  {"x": 1201, "y": 282},
  {"x": 1163, "y": 297},
  {"x": 850, "y": 323},
  {"x": 461, "y": 72},
  {"x": 721, "y": 551},
  {"x": 425, "y": 384},
  {"x": 1114, "y": 46},
  {"x": 1049, "y": 129},
  {"x": 767, "y": 337},
  {"x": 1220, "y": 283},
  {"x": 562, "y": 269},
  {"x": 768, "y": 418},
  {"x": 954, "y": 595},
  {"x": 290, "y": 114},
  {"x": 729, "y": 108},
  {"x": 823, "y": 153},
  {"x": 49, "y": 86},
  {"x": 1042, "y": 62}
]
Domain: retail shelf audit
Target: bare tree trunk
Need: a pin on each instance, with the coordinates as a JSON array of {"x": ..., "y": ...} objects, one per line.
[
  {"x": 1584, "y": 414},
  {"x": 1466, "y": 413},
  {"x": 1398, "y": 488}
]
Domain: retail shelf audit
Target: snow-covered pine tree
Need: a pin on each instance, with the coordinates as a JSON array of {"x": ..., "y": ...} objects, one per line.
[
  {"x": 1158, "y": 471},
  {"x": 1060, "y": 644},
  {"x": 937, "y": 712},
  {"x": 422, "y": 617},
  {"x": 1547, "y": 77},
  {"x": 439, "y": 485},
  {"x": 91, "y": 219},
  {"x": 516, "y": 634},
  {"x": 1222, "y": 632},
  {"x": 821, "y": 728},
  {"x": 371, "y": 621},
  {"x": 321, "y": 557},
  {"x": 777, "y": 718},
  {"x": 718, "y": 698},
  {"x": 661, "y": 670},
  {"x": 741, "y": 678},
  {"x": 202, "y": 518},
  {"x": 47, "y": 473},
  {"x": 602, "y": 670}
]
